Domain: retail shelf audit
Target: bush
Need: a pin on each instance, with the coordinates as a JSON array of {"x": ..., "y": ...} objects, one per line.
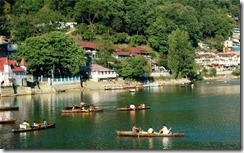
[
  {"x": 213, "y": 72},
  {"x": 236, "y": 72}
]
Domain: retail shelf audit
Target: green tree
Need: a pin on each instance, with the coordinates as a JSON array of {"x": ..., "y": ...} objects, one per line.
[
  {"x": 181, "y": 54},
  {"x": 35, "y": 23},
  {"x": 5, "y": 14},
  {"x": 236, "y": 72},
  {"x": 134, "y": 67},
  {"x": 212, "y": 72},
  {"x": 105, "y": 49},
  {"x": 51, "y": 49},
  {"x": 91, "y": 12},
  {"x": 204, "y": 72}
]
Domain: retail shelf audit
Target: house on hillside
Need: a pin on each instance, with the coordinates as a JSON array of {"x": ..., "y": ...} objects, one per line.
[
  {"x": 129, "y": 52},
  {"x": 12, "y": 72},
  {"x": 99, "y": 73},
  {"x": 6, "y": 47},
  {"x": 89, "y": 48}
]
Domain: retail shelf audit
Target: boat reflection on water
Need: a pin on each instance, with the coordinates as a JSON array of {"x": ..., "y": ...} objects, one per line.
[
  {"x": 150, "y": 143},
  {"x": 166, "y": 141},
  {"x": 22, "y": 137}
]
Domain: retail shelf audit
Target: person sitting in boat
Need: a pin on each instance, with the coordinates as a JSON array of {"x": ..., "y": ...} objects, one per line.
[
  {"x": 92, "y": 107},
  {"x": 165, "y": 130},
  {"x": 143, "y": 105},
  {"x": 82, "y": 105},
  {"x": 27, "y": 124},
  {"x": 33, "y": 125},
  {"x": 150, "y": 130},
  {"x": 132, "y": 106},
  {"x": 45, "y": 123},
  {"x": 140, "y": 106},
  {"x": 24, "y": 123},
  {"x": 135, "y": 129}
]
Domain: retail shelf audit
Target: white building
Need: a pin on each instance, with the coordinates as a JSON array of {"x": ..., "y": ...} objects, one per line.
[
  {"x": 99, "y": 73},
  {"x": 11, "y": 72}
]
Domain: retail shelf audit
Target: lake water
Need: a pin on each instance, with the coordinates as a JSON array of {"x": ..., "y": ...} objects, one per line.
[{"x": 209, "y": 115}]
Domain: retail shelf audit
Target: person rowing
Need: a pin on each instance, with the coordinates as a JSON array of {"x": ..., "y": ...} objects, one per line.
[
  {"x": 135, "y": 129},
  {"x": 165, "y": 130}
]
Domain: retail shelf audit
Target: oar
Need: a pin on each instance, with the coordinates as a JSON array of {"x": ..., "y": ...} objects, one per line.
[{"x": 139, "y": 132}]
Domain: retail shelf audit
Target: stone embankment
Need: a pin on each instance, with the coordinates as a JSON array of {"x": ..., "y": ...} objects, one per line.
[{"x": 88, "y": 85}]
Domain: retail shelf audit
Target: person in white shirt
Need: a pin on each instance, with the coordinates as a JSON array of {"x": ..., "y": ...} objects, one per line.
[
  {"x": 164, "y": 130},
  {"x": 132, "y": 106}
]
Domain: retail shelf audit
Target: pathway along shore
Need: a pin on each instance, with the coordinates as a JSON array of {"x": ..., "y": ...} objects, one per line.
[{"x": 91, "y": 85}]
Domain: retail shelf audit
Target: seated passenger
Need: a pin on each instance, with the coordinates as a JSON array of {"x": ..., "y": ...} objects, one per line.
[
  {"x": 135, "y": 129},
  {"x": 33, "y": 124},
  {"x": 132, "y": 106},
  {"x": 24, "y": 122},
  {"x": 164, "y": 130},
  {"x": 45, "y": 123},
  {"x": 143, "y": 105},
  {"x": 27, "y": 124},
  {"x": 140, "y": 106},
  {"x": 150, "y": 130},
  {"x": 92, "y": 107}
]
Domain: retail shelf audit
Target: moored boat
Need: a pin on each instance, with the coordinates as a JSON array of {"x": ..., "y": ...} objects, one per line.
[
  {"x": 41, "y": 127},
  {"x": 9, "y": 108},
  {"x": 145, "y": 134},
  {"x": 81, "y": 111},
  {"x": 9, "y": 121},
  {"x": 131, "y": 109}
]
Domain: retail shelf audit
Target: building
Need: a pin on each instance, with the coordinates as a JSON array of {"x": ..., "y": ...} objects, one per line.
[
  {"x": 6, "y": 47},
  {"x": 12, "y": 72},
  {"x": 98, "y": 73}
]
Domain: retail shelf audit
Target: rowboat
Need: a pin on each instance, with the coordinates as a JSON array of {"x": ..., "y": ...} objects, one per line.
[
  {"x": 42, "y": 127},
  {"x": 9, "y": 121},
  {"x": 9, "y": 108},
  {"x": 81, "y": 111},
  {"x": 145, "y": 134},
  {"x": 75, "y": 107},
  {"x": 130, "y": 109}
]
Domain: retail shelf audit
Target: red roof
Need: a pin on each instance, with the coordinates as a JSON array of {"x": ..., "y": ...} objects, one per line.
[
  {"x": 86, "y": 44},
  {"x": 23, "y": 62},
  {"x": 138, "y": 50},
  {"x": 18, "y": 69},
  {"x": 95, "y": 67},
  {"x": 6, "y": 61},
  {"x": 121, "y": 53}
]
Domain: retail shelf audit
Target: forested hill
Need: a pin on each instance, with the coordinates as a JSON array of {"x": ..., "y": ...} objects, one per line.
[
  {"x": 122, "y": 21},
  {"x": 149, "y": 23}
]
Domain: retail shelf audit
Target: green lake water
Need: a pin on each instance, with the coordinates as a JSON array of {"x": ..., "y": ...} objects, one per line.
[{"x": 209, "y": 114}]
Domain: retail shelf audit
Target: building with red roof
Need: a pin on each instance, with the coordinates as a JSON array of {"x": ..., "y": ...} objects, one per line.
[{"x": 11, "y": 71}]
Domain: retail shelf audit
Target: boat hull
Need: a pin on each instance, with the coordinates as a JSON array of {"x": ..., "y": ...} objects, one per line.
[
  {"x": 145, "y": 134},
  {"x": 130, "y": 109},
  {"x": 81, "y": 111},
  {"x": 42, "y": 127},
  {"x": 7, "y": 121},
  {"x": 9, "y": 108}
]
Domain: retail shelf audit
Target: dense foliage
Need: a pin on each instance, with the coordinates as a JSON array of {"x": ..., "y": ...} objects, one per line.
[
  {"x": 134, "y": 22},
  {"x": 181, "y": 54},
  {"x": 54, "y": 52}
]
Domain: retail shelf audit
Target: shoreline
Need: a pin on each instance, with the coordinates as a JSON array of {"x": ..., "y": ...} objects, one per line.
[{"x": 91, "y": 85}]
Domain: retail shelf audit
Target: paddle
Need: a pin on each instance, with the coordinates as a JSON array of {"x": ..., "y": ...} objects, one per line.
[{"x": 139, "y": 132}]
